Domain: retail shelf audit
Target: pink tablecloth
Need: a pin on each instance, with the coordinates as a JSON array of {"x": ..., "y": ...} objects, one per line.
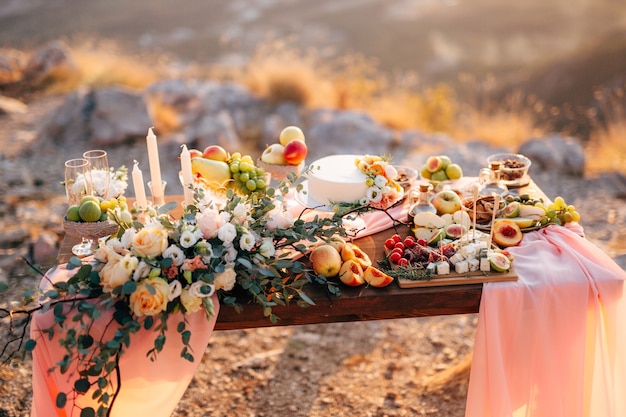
[
  {"x": 149, "y": 388},
  {"x": 552, "y": 344}
]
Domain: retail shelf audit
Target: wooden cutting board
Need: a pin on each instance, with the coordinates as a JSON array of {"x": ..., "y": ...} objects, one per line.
[{"x": 459, "y": 279}]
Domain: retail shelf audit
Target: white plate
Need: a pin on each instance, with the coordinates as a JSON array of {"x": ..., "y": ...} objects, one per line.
[{"x": 303, "y": 198}]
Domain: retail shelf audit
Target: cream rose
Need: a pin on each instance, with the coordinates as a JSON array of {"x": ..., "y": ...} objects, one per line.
[
  {"x": 150, "y": 241},
  {"x": 227, "y": 233},
  {"x": 225, "y": 280},
  {"x": 151, "y": 297},
  {"x": 191, "y": 303},
  {"x": 209, "y": 222},
  {"x": 117, "y": 270}
]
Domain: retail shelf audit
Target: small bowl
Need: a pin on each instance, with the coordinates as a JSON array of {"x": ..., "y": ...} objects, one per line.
[
  {"x": 513, "y": 167},
  {"x": 484, "y": 209},
  {"x": 406, "y": 177}
]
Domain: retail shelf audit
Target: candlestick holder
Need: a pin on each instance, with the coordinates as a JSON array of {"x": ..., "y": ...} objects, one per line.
[{"x": 158, "y": 200}]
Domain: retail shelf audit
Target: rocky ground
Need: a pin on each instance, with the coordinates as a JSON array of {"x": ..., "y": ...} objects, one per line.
[{"x": 409, "y": 367}]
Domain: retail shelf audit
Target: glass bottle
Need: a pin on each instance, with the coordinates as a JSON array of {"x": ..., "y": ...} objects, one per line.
[
  {"x": 491, "y": 182},
  {"x": 420, "y": 202}
]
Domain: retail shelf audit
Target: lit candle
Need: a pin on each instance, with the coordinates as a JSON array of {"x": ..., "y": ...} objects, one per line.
[
  {"x": 155, "y": 167},
  {"x": 140, "y": 192},
  {"x": 187, "y": 174}
]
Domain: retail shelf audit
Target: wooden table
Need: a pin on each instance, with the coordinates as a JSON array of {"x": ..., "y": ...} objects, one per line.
[{"x": 355, "y": 304}]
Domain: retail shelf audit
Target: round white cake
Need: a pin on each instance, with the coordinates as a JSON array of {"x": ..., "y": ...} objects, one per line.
[{"x": 336, "y": 179}]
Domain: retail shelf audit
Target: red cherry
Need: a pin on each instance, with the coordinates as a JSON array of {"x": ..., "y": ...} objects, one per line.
[
  {"x": 396, "y": 238},
  {"x": 403, "y": 262},
  {"x": 422, "y": 242},
  {"x": 398, "y": 250},
  {"x": 399, "y": 245},
  {"x": 390, "y": 243},
  {"x": 395, "y": 257},
  {"x": 409, "y": 242}
]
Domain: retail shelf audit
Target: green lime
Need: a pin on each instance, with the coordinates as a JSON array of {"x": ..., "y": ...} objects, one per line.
[
  {"x": 88, "y": 198},
  {"x": 104, "y": 216},
  {"x": 72, "y": 214},
  {"x": 90, "y": 211}
]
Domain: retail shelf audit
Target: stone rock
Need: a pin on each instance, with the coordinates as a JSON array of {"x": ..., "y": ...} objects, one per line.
[
  {"x": 10, "y": 105},
  {"x": 555, "y": 154},
  {"x": 45, "y": 249},
  {"x": 213, "y": 129},
  {"x": 12, "y": 63},
  {"x": 118, "y": 115},
  {"x": 102, "y": 117},
  {"x": 52, "y": 61},
  {"x": 341, "y": 132}
]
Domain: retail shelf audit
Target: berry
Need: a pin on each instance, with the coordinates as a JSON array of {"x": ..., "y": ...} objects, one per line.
[
  {"x": 403, "y": 262},
  {"x": 399, "y": 245},
  {"x": 390, "y": 243},
  {"x": 395, "y": 257},
  {"x": 409, "y": 242},
  {"x": 396, "y": 238}
]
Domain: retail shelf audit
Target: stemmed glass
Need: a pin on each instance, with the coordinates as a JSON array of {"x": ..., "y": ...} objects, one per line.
[
  {"x": 100, "y": 174},
  {"x": 78, "y": 184}
]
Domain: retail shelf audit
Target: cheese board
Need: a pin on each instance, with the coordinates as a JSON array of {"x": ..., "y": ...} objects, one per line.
[{"x": 458, "y": 279}]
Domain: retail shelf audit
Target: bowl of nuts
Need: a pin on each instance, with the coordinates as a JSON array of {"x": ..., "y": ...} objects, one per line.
[
  {"x": 484, "y": 210},
  {"x": 513, "y": 168},
  {"x": 406, "y": 177}
]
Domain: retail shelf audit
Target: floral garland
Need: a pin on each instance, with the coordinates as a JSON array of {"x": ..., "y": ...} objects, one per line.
[{"x": 164, "y": 265}]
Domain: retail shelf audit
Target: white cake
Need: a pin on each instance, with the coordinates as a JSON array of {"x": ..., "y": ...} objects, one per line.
[{"x": 337, "y": 180}]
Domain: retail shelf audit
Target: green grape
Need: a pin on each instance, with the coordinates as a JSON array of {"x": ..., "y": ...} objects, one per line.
[
  {"x": 575, "y": 216},
  {"x": 251, "y": 185},
  {"x": 571, "y": 208},
  {"x": 236, "y": 155},
  {"x": 234, "y": 167},
  {"x": 245, "y": 166},
  {"x": 260, "y": 172},
  {"x": 244, "y": 177},
  {"x": 237, "y": 176},
  {"x": 248, "y": 159},
  {"x": 567, "y": 217},
  {"x": 239, "y": 184},
  {"x": 260, "y": 183},
  {"x": 252, "y": 173}
]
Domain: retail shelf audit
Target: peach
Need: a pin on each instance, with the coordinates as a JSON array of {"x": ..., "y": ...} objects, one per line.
[
  {"x": 325, "y": 260},
  {"x": 352, "y": 251},
  {"x": 295, "y": 152},
  {"x": 216, "y": 153},
  {"x": 351, "y": 273},
  {"x": 376, "y": 278}
]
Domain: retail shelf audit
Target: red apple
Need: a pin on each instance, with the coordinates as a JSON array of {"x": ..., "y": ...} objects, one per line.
[
  {"x": 216, "y": 153},
  {"x": 295, "y": 152}
]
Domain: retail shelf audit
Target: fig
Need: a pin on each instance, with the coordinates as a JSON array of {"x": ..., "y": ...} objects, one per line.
[
  {"x": 506, "y": 233},
  {"x": 499, "y": 262},
  {"x": 455, "y": 231},
  {"x": 512, "y": 209},
  {"x": 434, "y": 163}
]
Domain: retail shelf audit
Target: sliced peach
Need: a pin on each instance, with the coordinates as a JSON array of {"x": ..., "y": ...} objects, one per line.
[
  {"x": 351, "y": 273},
  {"x": 376, "y": 278},
  {"x": 352, "y": 251}
]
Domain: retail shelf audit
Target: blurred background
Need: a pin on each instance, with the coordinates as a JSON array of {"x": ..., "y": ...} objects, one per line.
[{"x": 502, "y": 71}]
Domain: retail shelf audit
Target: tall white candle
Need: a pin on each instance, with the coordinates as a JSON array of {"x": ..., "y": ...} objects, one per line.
[
  {"x": 187, "y": 174},
  {"x": 140, "y": 191},
  {"x": 155, "y": 167}
]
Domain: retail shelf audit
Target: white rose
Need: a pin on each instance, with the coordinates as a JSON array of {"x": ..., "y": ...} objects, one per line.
[
  {"x": 231, "y": 254},
  {"x": 196, "y": 288},
  {"x": 127, "y": 237},
  {"x": 142, "y": 271},
  {"x": 188, "y": 239},
  {"x": 267, "y": 248},
  {"x": 380, "y": 181},
  {"x": 175, "y": 253},
  {"x": 247, "y": 241},
  {"x": 374, "y": 194},
  {"x": 175, "y": 290},
  {"x": 227, "y": 233},
  {"x": 391, "y": 171},
  {"x": 279, "y": 219}
]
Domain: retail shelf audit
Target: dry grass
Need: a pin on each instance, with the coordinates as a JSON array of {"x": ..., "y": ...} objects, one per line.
[{"x": 280, "y": 73}]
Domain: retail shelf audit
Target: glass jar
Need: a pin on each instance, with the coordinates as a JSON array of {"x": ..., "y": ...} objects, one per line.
[
  {"x": 420, "y": 202},
  {"x": 490, "y": 181}
]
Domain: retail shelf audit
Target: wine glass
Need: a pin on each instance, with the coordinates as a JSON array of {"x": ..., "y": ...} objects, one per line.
[
  {"x": 78, "y": 184},
  {"x": 100, "y": 174}
]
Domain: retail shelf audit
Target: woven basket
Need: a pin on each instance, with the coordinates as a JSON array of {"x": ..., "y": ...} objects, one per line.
[
  {"x": 280, "y": 172},
  {"x": 90, "y": 230}
]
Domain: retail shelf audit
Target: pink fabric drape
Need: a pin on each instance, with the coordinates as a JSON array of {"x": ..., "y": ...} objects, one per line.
[
  {"x": 148, "y": 388},
  {"x": 552, "y": 344}
]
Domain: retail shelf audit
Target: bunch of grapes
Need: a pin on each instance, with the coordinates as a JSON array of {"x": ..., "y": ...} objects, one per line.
[
  {"x": 247, "y": 177},
  {"x": 560, "y": 213}
]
